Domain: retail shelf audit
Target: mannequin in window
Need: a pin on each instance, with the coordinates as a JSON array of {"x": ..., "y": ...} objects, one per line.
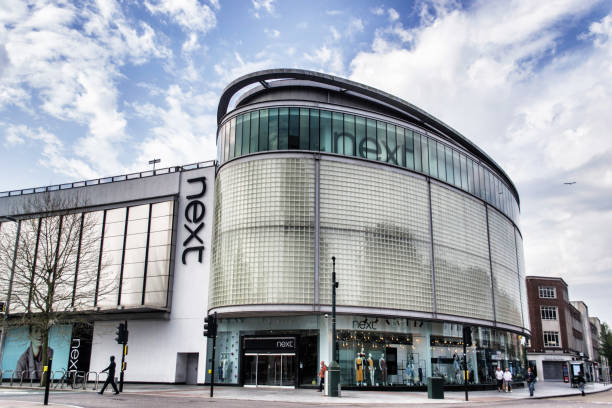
[
  {"x": 382, "y": 364},
  {"x": 371, "y": 369},
  {"x": 359, "y": 362}
]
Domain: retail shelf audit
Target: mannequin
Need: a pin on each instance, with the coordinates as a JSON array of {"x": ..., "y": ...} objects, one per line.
[
  {"x": 359, "y": 362},
  {"x": 371, "y": 369},
  {"x": 223, "y": 367},
  {"x": 382, "y": 364}
]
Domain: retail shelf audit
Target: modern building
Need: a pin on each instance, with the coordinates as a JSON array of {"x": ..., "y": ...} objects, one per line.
[
  {"x": 423, "y": 225},
  {"x": 587, "y": 351}
]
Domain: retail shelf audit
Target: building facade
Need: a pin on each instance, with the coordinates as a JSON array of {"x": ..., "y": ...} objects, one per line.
[
  {"x": 424, "y": 227},
  {"x": 422, "y": 223}
]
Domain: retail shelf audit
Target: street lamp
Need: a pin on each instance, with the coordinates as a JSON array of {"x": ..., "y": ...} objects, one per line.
[
  {"x": 334, "y": 367},
  {"x": 10, "y": 288}
]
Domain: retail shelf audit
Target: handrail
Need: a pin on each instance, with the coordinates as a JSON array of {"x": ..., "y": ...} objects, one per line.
[
  {"x": 105, "y": 180},
  {"x": 86, "y": 379},
  {"x": 11, "y": 377},
  {"x": 102, "y": 372}
]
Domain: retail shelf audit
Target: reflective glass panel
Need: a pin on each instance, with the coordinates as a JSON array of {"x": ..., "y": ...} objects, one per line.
[
  {"x": 232, "y": 152},
  {"x": 464, "y": 178},
  {"x": 441, "y": 162},
  {"x": 456, "y": 169},
  {"x": 417, "y": 152},
  {"x": 381, "y": 136},
  {"x": 304, "y": 129},
  {"x": 401, "y": 146},
  {"x": 314, "y": 129},
  {"x": 433, "y": 158},
  {"x": 391, "y": 145},
  {"x": 326, "y": 131},
  {"x": 294, "y": 129},
  {"x": 239, "y": 135},
  {"x": 371, "y": 139},
  {"x": 349, "y": 135},
  {"x": 246, "y": 133},
  {"x": 263, "y": 130},
  {"x": 360, "y": 133},
  {"x": 337, "y": 132},
  {"x": 409, "y": 149},
  {"x": 273, "y": 129},
  {"x": 254, "y": 144},
  {"x": 283, "y": 128},
  {"x": 424, "y": 155}
]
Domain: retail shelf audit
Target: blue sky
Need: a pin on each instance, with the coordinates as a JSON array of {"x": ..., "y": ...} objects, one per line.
[{"x": 92, "y": 89}]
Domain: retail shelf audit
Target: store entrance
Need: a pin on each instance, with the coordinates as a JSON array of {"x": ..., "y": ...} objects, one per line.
[{"x": 272, "y": 370}]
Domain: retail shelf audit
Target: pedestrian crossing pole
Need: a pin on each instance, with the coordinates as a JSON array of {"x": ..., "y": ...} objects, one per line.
[{"x": 123, "y": 354}]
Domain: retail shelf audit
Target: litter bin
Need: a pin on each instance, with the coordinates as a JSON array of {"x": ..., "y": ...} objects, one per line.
[
  {"x": 435, "y": 388},
  {"x": 332, "y": 382}
]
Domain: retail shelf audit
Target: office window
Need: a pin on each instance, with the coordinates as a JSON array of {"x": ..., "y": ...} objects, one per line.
[
  {"x": 551, "y": 339},
  {"x": 547, "y": 292},
  {"x": 548, "y": 312}
]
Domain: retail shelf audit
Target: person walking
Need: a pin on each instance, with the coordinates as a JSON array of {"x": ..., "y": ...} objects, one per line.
[
  {"x": 580, "y": 381},
  {"x": 322, "y": 375},
  {"x": 508, "y": 380},
  {"x": 110, "y": 379},
  {"x": 531, "y": 379},
  {"x": 499, "y": 376}
]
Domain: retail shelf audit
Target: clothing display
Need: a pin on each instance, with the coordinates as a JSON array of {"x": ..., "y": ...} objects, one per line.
[
  {"x": 359, "y": 369},
  {"x": 371, "y": 369},
  {"x": 383, "y": 368}
]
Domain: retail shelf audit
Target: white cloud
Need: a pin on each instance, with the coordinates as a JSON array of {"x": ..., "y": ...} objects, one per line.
[
  {"x": 190, "y": 14},
  {"x": 378, "y": 11},
  {"x": 327, "y": 59},
  {"x": 393, "y": 14},
  {"x": 51, "y": 67},
  {"x": 355, "y": 26},
  {"x": 53, "y": 153},
  {"x": 191, "y": 44},
  {"x": 333, "y": 12},
  {"x": 272, "y": 33},
  {"x": 263, "y": 5},
  {"x": 335, "y": 33},
  {"x": 494, "y": 72},
  {"x": 184, "y": 130}
]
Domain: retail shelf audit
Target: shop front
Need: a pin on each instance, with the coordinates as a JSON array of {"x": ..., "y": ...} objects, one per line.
[{"x": 375, "y": 352}]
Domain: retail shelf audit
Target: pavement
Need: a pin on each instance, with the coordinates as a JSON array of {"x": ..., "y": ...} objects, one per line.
[{"x": 27, "y": 397}]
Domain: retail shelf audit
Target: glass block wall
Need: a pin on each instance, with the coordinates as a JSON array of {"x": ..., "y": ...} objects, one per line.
[
  {"x": 461, "y": 254},
  {"x": 376, "y": 223},
  {"x": 505, "y": 270},
  {"x": 263, "y": 250}
]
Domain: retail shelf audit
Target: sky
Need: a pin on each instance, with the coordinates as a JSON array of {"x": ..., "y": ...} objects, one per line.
[{"x": 93, "y": 89}]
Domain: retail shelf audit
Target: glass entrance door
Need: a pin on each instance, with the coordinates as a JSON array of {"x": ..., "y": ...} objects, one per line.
[{"x": 269, "y": 370}]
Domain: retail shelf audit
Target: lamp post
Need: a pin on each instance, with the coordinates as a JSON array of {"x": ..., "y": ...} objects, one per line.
[
  {"x": 10, "y": 287},
  {"x": 153, "y": 163},
  {"x": 334, "y": 368}
]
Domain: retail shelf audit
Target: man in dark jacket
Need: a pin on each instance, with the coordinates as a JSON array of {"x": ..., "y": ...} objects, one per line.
[
  {"x": 531, "y": 379},
  {"x": 110, "y": 379}
]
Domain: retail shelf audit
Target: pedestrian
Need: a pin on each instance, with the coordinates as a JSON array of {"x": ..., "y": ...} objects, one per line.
[
  {"x": 499, "y": 376},
  {"x": 110, "y": 379},
  {"x": 322, "y": 375},
  {"x": 580, "y": 381},
  {"x": 508, "y": 380},
  {"x": 531, "y": 379}
]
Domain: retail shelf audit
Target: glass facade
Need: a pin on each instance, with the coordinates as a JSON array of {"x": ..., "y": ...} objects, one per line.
[
  {"x": 358, "y": 136},
  {"x": 113, "y": 257},
  {"x": 373, "y": 351},
  {"x": 263, "y": 249},
  {"x": 376, "y": 222}
]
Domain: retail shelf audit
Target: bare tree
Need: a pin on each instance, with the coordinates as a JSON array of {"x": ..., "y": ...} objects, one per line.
[{"x": 54, "y": 269}]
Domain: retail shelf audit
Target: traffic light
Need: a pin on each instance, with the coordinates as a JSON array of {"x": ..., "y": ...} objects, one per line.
[
  {"x": 122, "y": 334},
  {"x": 467, "y": 335},
  {"x": 210, "y": 325}
]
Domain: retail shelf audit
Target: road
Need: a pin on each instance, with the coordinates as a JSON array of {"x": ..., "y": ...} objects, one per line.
[{"x": 25, "y": 398}]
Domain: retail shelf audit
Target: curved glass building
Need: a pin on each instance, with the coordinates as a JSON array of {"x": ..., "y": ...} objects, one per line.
[{"x": 423, "y": 224}]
